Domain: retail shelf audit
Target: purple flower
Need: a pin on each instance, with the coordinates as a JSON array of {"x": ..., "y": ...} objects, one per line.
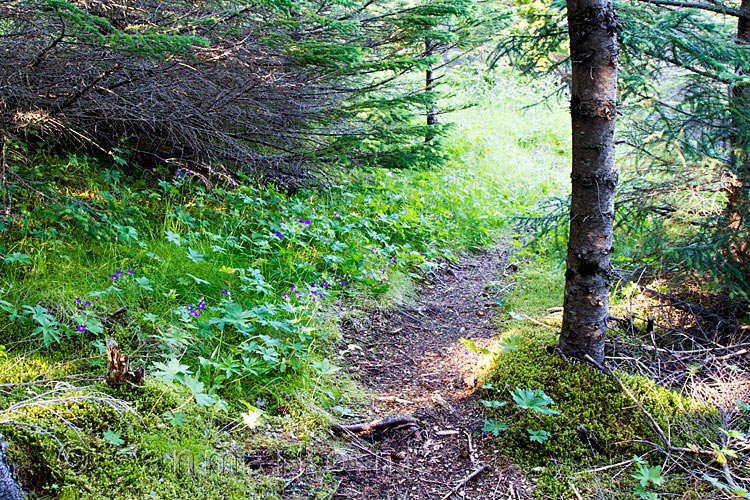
[
  {"x": 307, "y": 221},
  {"x": 342, "y": 282},
  {"x": 201, "y": 305},
  {"x": 383, "y": 270},
  {"x": 372, "y": 249},
  {"x": 225, "y": 292},
  {"x": 380, "y": 203},
  {"x": 313, "y": 299},
  {"x": 118, "y": 272},
  {"x": 78, "y": 300},
  {"x": 279, "y": 235},
  {"x": 87, "y": 303},
  {"x": 325, "y": 283},
  {"x": 286, "y": 295},
  {"x": 189, "y": 307},
  {"x": 297, "y": 292},
  {"x": 195, "y": 313},
  {"x": 130, "y": 271},
  {"x": 114, "y": 276},
  {"x": 337, "y": 214},
  {"x": 81, "y": 328}
]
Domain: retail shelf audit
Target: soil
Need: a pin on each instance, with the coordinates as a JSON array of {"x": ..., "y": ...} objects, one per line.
[{"x": 414, "y": 363}]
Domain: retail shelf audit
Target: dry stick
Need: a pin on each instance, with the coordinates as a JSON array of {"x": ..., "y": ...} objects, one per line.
[
  {"x": 292, "y": 480},
  {"x": 730, "y": 355},
  {"x": 471, "y": 448},
  {"x": 465, "y": 480},
  {"x": 527, "y": 317},
  {"x": 575, "y": 490},
  {"x": 368, "y": 427},
  {"x": 332, "y": 493}
]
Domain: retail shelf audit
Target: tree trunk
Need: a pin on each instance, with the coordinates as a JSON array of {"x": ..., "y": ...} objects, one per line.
[
  {"x": 429, "y": 86},
  {"x": 592, "y": 26},
  {"x": 738, "y": 199}
]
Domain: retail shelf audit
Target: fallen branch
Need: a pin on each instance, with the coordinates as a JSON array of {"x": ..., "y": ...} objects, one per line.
[
  {"x": 383, "y": 423},
  {"x": 730, "y": 355},
  {"x": 685, "y": 306},
  {"x": 465, "y": 480}
]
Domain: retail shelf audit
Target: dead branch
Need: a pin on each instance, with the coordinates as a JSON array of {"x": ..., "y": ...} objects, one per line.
[
  {"x": 369, "y": 427},
  {"x": 465, "y": 480}
]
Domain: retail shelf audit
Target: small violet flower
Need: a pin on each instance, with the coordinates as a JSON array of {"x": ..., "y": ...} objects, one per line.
[
  {"x": 286, "y": 295},
  {"x": 114, "y": 276},
  {"x": 325, "y": 283},
  {"x": 81, "y": 328},
  {"x": 87, "y": 303},
  {"x": 201, "y": 305},
  {"x": 130, "y": 271},
  {"x": 78, "y": 300},
  {"x": 118, "y": 272},
  {"x": 225, "y": 292},
  {"x": 279, "y": 235}
]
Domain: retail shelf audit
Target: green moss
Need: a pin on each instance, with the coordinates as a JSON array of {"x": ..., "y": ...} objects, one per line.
[
  {"x": 597, "y": 421},
  {"x": 156, "y": 459}
]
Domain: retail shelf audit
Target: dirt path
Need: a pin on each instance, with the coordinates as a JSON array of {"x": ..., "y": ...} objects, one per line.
[{"x": 413, "y": 361}]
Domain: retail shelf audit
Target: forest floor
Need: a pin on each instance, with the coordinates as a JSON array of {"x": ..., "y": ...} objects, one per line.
[{"x": 412, "y": 362}]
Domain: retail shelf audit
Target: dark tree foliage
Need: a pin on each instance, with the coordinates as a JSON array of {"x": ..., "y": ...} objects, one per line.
[
  {"x": 685, "y": 125},
  {"x": 271, "y": 87}
]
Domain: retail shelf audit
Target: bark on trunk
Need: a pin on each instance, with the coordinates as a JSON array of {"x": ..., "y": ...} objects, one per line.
[
  {"x": 738, "y": 196},
  {"x": 593, "y": 104},
  {"x": 429, "y": 86},
  {"x": 9, "y": 489}
]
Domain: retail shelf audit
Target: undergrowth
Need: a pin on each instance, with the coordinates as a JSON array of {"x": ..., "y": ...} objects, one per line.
[
  {"x": 575, "y": 430},
  {"x": 225, "y": 293}
]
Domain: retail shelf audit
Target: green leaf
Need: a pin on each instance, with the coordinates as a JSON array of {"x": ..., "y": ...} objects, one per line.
[
  {"x": 112, "y": 438},
  {"x": 198, "y": 280},
  {"x": 150, "y": 317},
  {"x": 197, "y": 388},
  {"x": 325, "y": 367},
  {"x": 170, "y": 371},
  {"x": 539, "y": 436},
  {"x": 648, "y": 474},
  {"x": 535, "y": 400},
  {"x": 173, "y": 238},
  {"x": 510, "y": 343},
  {"x": 145, "y": 283},
  {"x": 491, "y": 425},
  {"x": 21, "y": 258},
  {"x": 195, "y": 256},
  {"x": 492, "y": 404}
]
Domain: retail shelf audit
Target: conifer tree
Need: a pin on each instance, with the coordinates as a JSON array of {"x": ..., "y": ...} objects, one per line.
[{"x": 592, "y": 26}]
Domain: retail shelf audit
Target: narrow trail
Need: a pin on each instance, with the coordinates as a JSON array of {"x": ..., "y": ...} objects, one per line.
[{"x": 414, "y": 363}]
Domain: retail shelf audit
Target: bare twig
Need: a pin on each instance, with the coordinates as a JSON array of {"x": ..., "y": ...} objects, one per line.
[{"x": 465, "y": 480}]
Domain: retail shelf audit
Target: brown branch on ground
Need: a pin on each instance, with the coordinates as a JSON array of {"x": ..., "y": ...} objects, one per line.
[{"x": 383, "y": 423}]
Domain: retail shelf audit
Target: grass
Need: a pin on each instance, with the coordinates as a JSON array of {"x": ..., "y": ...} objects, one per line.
[{"x": 211, "y": 308}]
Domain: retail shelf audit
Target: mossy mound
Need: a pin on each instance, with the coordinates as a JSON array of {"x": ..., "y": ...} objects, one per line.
[
  {"x": 91, "y": 450},
  {"x": 598, "y": 423}
]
